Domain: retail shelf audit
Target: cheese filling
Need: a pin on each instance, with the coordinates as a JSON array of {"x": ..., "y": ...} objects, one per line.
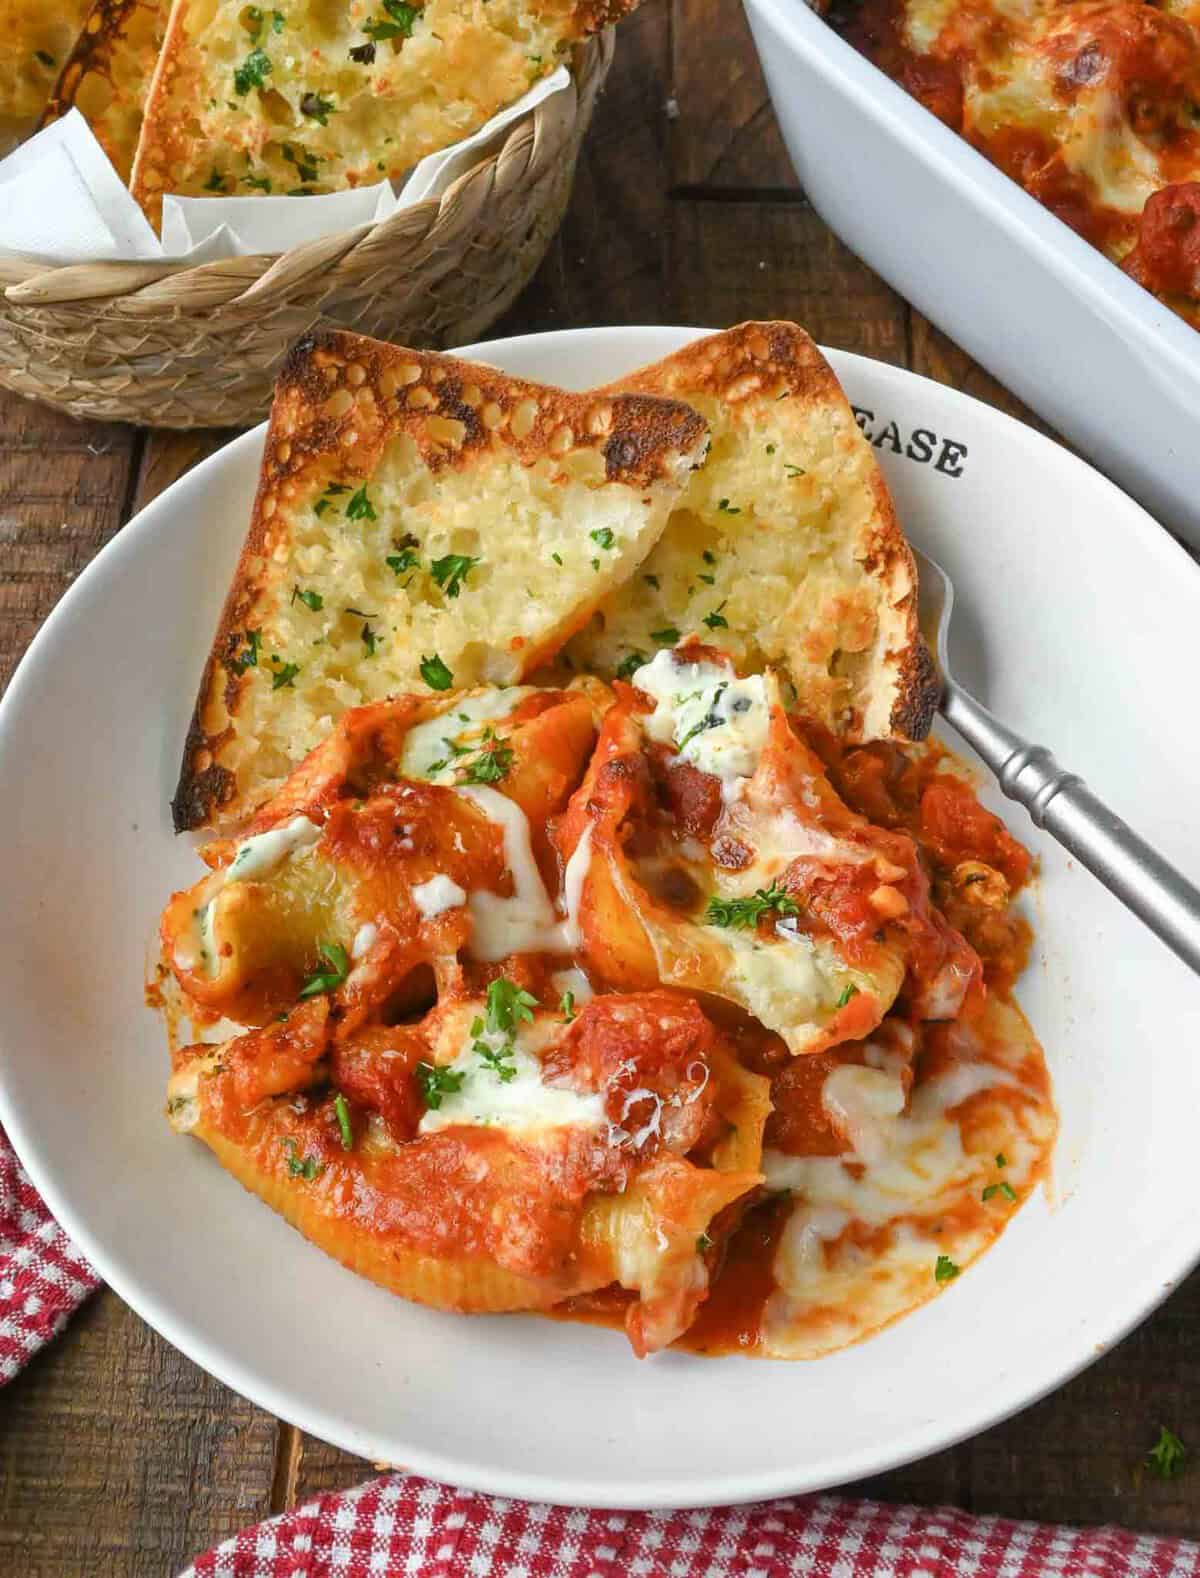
[
  {"x": 714, "y": 720},
  {"x": 521, "y": 1104},
  {"x": 435, "y": 749}
]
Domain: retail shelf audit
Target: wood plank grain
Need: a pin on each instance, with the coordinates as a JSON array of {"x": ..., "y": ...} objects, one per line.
[
  {"x": 769, "y": 259},
  {"x": 606, "y": 265},
  {"x": 724, "y": 135},
  {"x": 120, "y": 1459},
  {"x": 63, "y": 490}
]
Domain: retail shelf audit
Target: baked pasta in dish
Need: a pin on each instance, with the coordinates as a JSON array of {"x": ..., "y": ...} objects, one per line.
[
  {"x": 650, "y": 1005},
  {"x": 1093, "y": 106}
]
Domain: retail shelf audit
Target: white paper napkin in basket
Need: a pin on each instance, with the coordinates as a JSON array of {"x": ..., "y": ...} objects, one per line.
[{"x": 61, "y": 201}]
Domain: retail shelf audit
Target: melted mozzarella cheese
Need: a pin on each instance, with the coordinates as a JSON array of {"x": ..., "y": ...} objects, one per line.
[
  {"x": 715, "y": 721},
  {"x": 364, "y": 940},
  {"x": 431, "y": 749},
  {"x": 574, "y": 877},
  {"x": 526, "y": 922},
  {"x": 439, "y": 894},
  {"x": 260, "y": 855},
  {"x": 575, "y": 982},
  {"x": 524, "y": 1105},
  {"x": 900, "y": 1180}
]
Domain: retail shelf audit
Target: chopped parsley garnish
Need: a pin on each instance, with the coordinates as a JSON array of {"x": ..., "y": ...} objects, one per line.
[
  {"x": 507, "y": 1006},
  {"x": 794, "y": 471},
  {"x": 1167, "y": 1456},
  {"x": 317, "y": 108},
  {"x": 337, "y": 968},
  {"x": 666, "y": 637},
  {"x": 401, "y": 24},
  {"x": 703, "y": 1244},
  {"x": 724, "y": 507},
  {"x": 717, "y": 620},
  {"x": 360, "y": 507},
  {"x": 306, "y": 169},
  {"x": 261, "y": 183},
  {"x": 248, "y": 656},
  {"x": 284, "y": 675},
  {"x": 945, "y": 1270},
  {"x": 253, "y": 71},
  {"x": 406, "y": 559},
  {"x": 1001, "y": 1159},
  {"x": 566, "y": 1004},
  {"x": 712, "y": 719},
  {"x": 44, "y": 56},
  {"x": 709, "y": 580},
  {"x": 452, "y": 571},
  {"x": 557, "y": 557},
  {"x": 308, "y": 1168},
  {"x": 1005, "y": 1189},
  {"x": 342, "y": 1111},
  {"x": 847, "y": 993},
  {"x": 493, "y": 763},
  {"x": 629, "y": 664},
  {"x": 369, "y": 640},
  {"x": 435, "y": 673},
  {"x": 595, "y": 564},
  {"x": 255, "y": 19},
  {"x": 436, "y": 1082},
  {"x": 215, "y": 182},
  {"x": 739, "y": 914},
  {"x": 364, "y": 54},
  {"x": 312, "y": 600},
  {"x": 498, "y": 1059},
  {"x": 709, "y": 556},
  {"x": 770, "y": 449},
  {"x": 604, "y": 538}
]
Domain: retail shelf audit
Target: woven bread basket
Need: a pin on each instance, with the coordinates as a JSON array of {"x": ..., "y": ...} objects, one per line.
[{"x": 169, "y": 345}]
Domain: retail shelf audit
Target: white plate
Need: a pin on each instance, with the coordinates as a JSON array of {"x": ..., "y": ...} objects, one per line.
[{"x": 1078, "y": 622}]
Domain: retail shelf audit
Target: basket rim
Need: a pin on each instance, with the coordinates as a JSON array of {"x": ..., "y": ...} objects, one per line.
[{"x": 29, "y": 282}]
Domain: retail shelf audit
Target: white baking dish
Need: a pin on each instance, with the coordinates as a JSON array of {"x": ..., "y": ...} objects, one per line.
[{"x": 1095, "y": 355}]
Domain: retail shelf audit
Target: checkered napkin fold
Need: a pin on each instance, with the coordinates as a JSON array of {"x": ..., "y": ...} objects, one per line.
[{"x": 398, "y": 1524}]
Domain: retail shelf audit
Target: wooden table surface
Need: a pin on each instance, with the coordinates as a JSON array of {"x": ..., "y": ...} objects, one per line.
[{"x": 117, "y": 1455}]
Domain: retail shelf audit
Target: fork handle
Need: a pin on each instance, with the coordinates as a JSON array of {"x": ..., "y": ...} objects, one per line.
[{"x": 1062, "y": 803}]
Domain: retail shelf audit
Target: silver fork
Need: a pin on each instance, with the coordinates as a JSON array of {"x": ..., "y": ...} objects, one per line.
[{"x": 1060, "y": 801}]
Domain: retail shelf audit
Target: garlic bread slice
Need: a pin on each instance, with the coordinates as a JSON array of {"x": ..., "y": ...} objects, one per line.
[
  {"x": 785, "y": 548},
  {"x": 422, "y": 524}
]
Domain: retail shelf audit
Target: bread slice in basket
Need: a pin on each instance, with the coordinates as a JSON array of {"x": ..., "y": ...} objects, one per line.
[
  {"x": 785, "y": 549},
  {"x": 37, "y": 38},
  {"x": 421, "y": 523},
  {"x": 108, "y": 72},
  {"x": 292, "y": 96}
]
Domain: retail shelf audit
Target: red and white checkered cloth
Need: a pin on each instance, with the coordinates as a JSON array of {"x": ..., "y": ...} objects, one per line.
[
  {"x": 400, "y": 1525},
  {"x": 43, "y": 1277}
]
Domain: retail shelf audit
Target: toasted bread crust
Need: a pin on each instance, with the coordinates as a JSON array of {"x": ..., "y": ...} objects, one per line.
[
  {"x": 117, "y": 45},
  {"x": 778, "y": 360},
  {"x": 340, "y": 399}
]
